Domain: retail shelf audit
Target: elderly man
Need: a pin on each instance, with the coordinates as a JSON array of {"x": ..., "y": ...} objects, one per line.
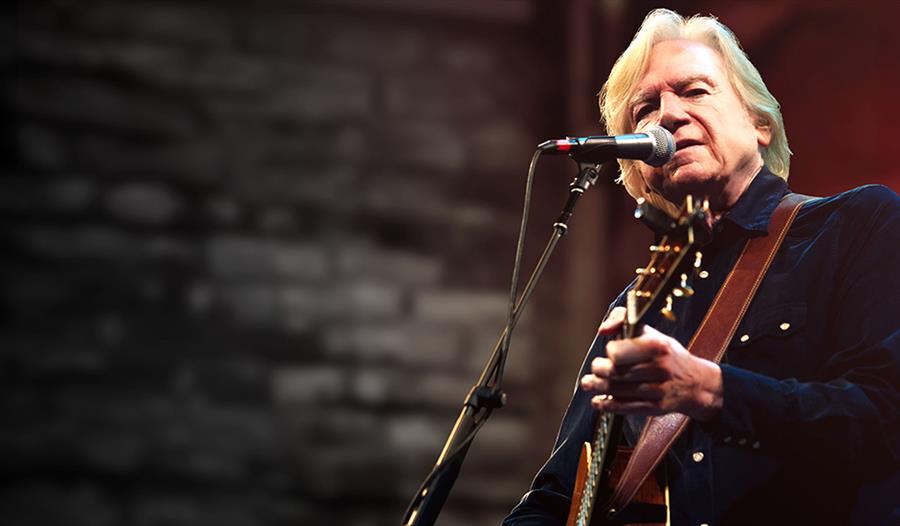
[{"x": 800, "y": 421}]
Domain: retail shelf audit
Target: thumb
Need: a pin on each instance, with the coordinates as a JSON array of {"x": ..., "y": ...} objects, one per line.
[{"x": 613, "y": 322}]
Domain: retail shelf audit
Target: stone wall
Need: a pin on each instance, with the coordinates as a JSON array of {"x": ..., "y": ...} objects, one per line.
[
  {"x": 254, "y": 255},
  {"x": 257, "y": 253}
]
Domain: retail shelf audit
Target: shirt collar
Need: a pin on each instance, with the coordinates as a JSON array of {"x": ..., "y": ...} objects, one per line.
[{"x": 754, "y": 208}]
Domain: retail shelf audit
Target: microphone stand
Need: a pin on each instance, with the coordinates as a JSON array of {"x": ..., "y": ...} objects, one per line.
[{"x": 487, "y": 395}]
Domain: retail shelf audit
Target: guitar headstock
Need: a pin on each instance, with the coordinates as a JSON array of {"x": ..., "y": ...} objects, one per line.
[{"x": 677, "y": 254}]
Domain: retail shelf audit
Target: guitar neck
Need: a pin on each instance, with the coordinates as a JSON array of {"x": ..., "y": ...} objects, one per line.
[{"x": 664, "y": 277}]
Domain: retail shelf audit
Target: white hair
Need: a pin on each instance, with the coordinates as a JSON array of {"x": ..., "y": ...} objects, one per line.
[{"x": 661, "y": 25}]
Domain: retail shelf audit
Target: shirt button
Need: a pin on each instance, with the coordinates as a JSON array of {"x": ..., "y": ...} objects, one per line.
[
  {"x": 726, "y": 439},
  {"x": 756, "y": 445},
  {"x": 703, "y": 274},
  {"x": 697, "y": 456},
  {"x": 742, "y": 442},
  {"x": 745, "y": 338},
  {"x": 784, "y": 326}
]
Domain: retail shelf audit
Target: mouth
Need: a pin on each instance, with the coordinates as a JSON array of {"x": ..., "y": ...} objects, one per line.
[{"x": 686, "y": 143}]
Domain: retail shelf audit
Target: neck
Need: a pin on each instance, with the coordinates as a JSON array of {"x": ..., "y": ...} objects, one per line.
[{"x": 738, "y": 183}]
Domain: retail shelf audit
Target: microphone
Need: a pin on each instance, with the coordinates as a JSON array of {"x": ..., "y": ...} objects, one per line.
[{"x": 655, "y": 146}]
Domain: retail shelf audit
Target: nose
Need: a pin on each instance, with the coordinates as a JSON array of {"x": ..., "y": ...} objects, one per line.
[{"x": 672, "y": 112}]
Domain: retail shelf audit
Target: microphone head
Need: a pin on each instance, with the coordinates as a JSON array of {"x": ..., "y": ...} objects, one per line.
[{"x": 663, "y": 146}]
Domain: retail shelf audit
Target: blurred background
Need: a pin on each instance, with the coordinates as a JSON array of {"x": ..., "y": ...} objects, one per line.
[{"x": 254, "y": 254}]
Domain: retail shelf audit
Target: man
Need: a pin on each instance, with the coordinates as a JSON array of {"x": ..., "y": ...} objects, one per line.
[{"x": 800, "y": 422}]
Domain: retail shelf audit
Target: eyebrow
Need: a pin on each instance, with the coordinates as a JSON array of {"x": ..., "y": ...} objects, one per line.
[{"x": 649, "y": 94}]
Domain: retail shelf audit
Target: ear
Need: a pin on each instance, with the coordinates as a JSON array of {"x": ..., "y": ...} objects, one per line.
[{"x": 763, "y": 132}]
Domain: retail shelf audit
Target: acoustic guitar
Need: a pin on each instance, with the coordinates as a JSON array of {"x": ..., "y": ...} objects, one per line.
[{"x": 663, "y": 280}]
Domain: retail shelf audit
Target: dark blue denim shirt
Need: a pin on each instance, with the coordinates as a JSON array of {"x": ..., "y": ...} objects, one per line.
[{"x": 810, "y": 428}]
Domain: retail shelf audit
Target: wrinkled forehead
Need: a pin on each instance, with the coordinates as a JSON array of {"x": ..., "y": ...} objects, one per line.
[{"x": 676, "y": 62}]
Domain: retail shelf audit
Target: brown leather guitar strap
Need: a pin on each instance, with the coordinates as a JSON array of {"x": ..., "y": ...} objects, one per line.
[{"x": 709, "y": 342}]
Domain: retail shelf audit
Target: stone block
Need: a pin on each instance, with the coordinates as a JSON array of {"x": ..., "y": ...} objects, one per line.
[
  {"x": 199, "y": 160},
  {"x": 439, "y": 96},
  {"x": 156, "y": 63},
  {"x": 504, "y": 436},
  {"x": 177, "y": 509},
  {"x": 393, "y": 266},
  {"x": 307, "y": 385},
  {"x": 251, "y": 304},
  {"x": 411, "y": 197},
  {"x": 382, "y": 46},
  {"x": 441, "y": 389},
  {"x": 276, "y": 143},
  {"x": 304, "y": 307},
  {"x": 308, "y": 186},
  {"x": 470, "y": 308},
  {"x": 227, "y": 379},
  {"x": 113, "y": 452},
  {"x": 223, "y": 211},
  {"x": 33, "y": 196},
  {"x": 81, "y": 504},
  {"x": 469, "y": 56},
  {"x": 417, "y": 434},
  {"x": 339, "y": 39},
  {"x": 104, "y": 104},
  {"x": 520, "y": 363},
  {"x": 371, "y": 299},
  {"x": 409, "y": 388},
  {"x": 242, "y": 257},
  {"x": 186, "y": 24},
  {"x": 144, "y": 203},
  {"x": 299, "y": 261},
  {"x": 277, "y": 220},
  {"x": 84, "y": 242},
  {"x": 401, "y": 342},
  {"x": 71, "y": 194},
  {"x": 71, "y": 359},
  {"x": 41, "y": 147},
  {"x": 432, "y": 145},
  {"x": 503, "y": 146},
  {"x": 320, "y": 93},
  {"x": 172, "y": 249}
]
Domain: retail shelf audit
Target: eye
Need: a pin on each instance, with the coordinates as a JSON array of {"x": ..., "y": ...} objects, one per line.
[
  {"x": 696, "y": 92},
  {"x": 642, "y": 111}
]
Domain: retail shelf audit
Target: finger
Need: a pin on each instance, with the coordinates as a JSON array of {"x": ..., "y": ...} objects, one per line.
[
  {"x": 633, "y": 351},
  {"x": 613, "y": 322},
  {"x": 590, "y": 382},
  {"x": 641, "y": 372},
  {"x": 638, "y": 392},
  {"x": 647, "y": 391},
  {"x": 601, "y": 367},
  {"x": 626, "y": 406}
]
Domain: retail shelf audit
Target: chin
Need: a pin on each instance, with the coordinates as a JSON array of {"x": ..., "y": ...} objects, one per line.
[{"x": 688, "y": 179}]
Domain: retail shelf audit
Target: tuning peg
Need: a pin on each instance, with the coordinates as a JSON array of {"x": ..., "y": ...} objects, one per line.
[
  {"x": 667, "y": 310},
  {"x": 683, "y": 289},
  {"x": 698, "y": 259}
]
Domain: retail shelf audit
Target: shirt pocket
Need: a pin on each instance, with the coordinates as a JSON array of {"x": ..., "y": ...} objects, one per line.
[{"x": 772, "y": 340}]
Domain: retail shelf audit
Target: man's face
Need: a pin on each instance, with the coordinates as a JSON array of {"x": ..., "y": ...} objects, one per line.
[{"x": 685, "y": 90}]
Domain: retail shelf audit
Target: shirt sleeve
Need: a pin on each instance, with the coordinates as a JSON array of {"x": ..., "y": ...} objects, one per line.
[{"x": 851, "y": 417}]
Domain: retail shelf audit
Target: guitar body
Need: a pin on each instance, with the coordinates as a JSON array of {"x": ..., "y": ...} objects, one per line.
[
  {"x": 584, "y": 465},
  {"x": 648, "y": 504}
]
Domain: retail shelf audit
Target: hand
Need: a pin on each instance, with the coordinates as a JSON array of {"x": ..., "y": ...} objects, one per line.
[{"x": 652, "y": 374}]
